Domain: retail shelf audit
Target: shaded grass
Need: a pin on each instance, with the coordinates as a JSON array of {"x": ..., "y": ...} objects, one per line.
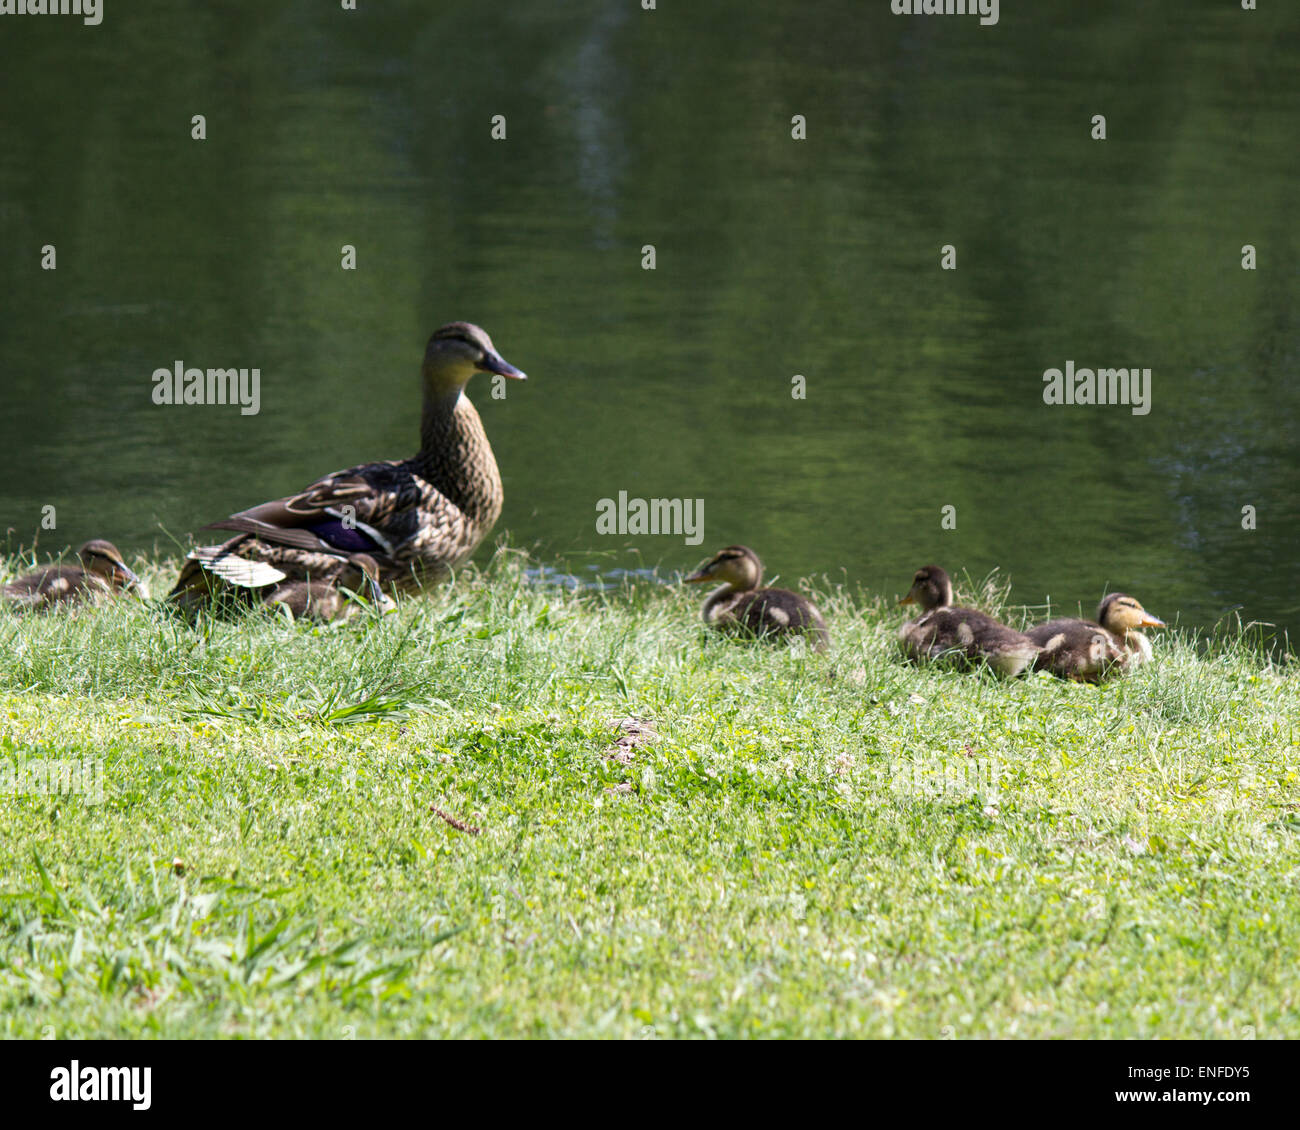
[{"x": 815, "y": 845}]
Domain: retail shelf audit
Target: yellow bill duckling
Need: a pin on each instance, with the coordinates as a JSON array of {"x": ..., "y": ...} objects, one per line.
[
  {"x": 740, "y": 606},
  {"x": 328, "y": 600},
  {"x": 102, "y": 572},
  {"x": 961, "y": 636},
  {"x": 1088, "y": 651}
]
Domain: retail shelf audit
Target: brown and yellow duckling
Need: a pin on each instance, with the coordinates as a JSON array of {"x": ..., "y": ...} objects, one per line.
[
  {"x": 102, "y": 572},
  {"x": 961, "y": 636},
  {"x": 329, "y": 600},
  {"x": 740, "y": 606},
  {"x": 1088, "y": 651}
]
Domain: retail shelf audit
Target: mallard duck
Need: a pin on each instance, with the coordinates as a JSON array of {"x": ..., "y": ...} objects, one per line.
[
  {"x": 960, "y": 635},
  {"x": 1088, "y": 651},
  {"x": 102, "y": 571},
  {"x": 417, "y": 518},
  {"x": 741, "y": 607},
  {"x": 328, "y": 600}
]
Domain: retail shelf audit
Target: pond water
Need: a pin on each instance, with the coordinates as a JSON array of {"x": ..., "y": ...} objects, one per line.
[{"x": 775, "y": 258}]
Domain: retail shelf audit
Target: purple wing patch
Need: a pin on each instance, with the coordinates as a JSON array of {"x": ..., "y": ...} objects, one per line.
[{"x": 343, "y": 538}]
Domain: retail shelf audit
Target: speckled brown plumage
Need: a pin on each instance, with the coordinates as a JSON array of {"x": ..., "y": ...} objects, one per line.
[
  {"x": 102, "y": 571},
  {"x": 740, "y": 606},
  {"x": 962, "y": 637},
  {"x": 418, "y": 518},
  {"x": 1088, "y": 651},
  {"x": 328, "y": 600}
]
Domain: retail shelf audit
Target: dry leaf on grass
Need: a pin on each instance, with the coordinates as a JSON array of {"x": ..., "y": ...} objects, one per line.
[{"x": 633, "y": 733}]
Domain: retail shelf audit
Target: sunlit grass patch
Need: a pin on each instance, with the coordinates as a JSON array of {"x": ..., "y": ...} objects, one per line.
[{"x": 418, "y": 826}]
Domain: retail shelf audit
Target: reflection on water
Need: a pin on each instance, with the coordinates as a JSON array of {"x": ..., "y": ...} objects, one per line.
[
  {"x": 593, "y": 579},
  {"x": 774, "y": 258}
]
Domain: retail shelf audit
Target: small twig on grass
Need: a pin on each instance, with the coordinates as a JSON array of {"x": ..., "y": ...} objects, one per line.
[{"x": 459, "y": 825}]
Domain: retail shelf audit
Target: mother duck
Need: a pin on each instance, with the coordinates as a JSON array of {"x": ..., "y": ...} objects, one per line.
[{"x": 418, "y": 517}]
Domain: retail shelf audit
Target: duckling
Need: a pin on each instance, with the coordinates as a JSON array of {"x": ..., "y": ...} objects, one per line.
[
  {"x": 963, "y": 635},
  {"x": 101, "y": 573},
  {"x": 741, "y": 607},
  {"x": 418, "y": 517},
  {"x": 326, "y": 600},
  {"x": 1088, "y": 651}
]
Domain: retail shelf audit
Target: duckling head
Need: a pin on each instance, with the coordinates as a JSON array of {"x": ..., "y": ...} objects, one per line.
[
  {"x": 1122, "y": 614},
  {"x": 459, "y": 350},
  {"x": 737, "y": 567},
  {"x": 931, "y": 588},
  {"x": 361, "y": 574},
  {"x": 103, "y": 559}
]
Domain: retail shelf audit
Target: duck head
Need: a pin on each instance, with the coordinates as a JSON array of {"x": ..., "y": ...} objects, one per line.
[
  {"x": 459, "y": 350},
  {"x": 1121, "y": 614},
  {"x": 737, "y": 567},
  {"x": 931, "y": 588},
  {"x": 103, "y": 559}
]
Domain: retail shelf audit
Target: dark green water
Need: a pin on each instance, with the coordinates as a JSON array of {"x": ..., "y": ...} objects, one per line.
[{"x": 775, "y": 257}]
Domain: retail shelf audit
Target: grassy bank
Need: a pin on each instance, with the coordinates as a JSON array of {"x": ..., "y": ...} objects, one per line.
[{"x": 811, "y": 845}]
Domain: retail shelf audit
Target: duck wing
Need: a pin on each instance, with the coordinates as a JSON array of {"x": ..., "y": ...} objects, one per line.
[
  {"x": 366, "y": 509},
  {"x": 53, "y": 584},
  {"x": 1075, "y": 649},
  {"x": 780, "y": 611},
  {"x": 233, "y": 569}
]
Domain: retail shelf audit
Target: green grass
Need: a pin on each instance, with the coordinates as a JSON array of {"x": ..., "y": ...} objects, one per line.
[{"x": 814, "y": 846}]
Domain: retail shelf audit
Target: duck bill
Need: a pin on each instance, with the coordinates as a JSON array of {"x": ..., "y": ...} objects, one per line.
[
  {"x": 910, "y": 598},
  {"x": 1149, "y": 621},
  {"x": 696, "y": 578},
  {"x": 129, "y": 579},
  {"x": 495, "y": 363},
  {"x": 375, "y": 593}
]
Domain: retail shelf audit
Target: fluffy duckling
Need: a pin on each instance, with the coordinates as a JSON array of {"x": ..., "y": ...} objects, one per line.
[
  {"x": 327, "y": 600},
  {"x": 963, "y": 635},
  {"x": 102, "y": 572},
  {"x": 741, "y": 607},
  {"x": 1087, "y": 651}
]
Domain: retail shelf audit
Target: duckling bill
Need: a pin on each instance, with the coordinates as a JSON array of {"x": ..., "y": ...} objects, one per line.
[
  {"x": 1088, "y": 651},
  {"x": 962, "y": 636},
  {"x": 101, "y": 573},
  {"x": 740, "y": 606}
]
